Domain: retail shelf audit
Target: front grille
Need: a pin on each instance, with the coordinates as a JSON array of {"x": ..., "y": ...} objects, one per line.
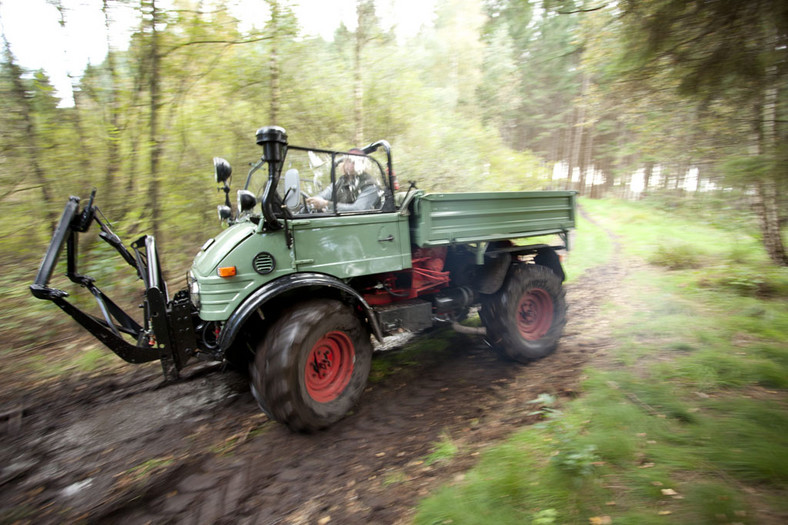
[{"x": 264, "y": 263}]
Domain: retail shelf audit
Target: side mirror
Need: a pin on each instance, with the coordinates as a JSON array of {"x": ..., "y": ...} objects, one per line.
[
  {"x": 292, "y": 189},
  {"x": 222, "y": 170}
]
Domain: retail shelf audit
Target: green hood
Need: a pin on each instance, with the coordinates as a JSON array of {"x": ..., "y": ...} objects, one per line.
[{"x": 217, "y": 248}]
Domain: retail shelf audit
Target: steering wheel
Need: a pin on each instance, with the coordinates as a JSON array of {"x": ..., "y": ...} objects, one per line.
[{"x": 307, "y": 207}]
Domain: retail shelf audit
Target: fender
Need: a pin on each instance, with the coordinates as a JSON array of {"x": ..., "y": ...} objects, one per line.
[
  {"x": 548, "y": 257},
  {"x": 286, "y": 284},
  {"x": 497, "y": 270}
]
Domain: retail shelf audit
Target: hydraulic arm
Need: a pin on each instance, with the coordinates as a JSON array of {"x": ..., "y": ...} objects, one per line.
[{"x": 167, "y": 332}]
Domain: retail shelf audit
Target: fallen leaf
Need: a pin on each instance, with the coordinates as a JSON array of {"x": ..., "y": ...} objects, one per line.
[
  {"x": 669, "y": 492},
  {"x": 600, "y": 520},
  {"x": 664, "y": 512}
]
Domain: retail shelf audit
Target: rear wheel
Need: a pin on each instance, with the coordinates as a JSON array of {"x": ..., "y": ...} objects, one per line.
[
  {"x": 312, "y": 366},
  {"x": 526, "y": 317}
]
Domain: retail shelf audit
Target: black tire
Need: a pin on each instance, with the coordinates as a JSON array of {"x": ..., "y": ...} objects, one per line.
[
  {"x": 312, "y": 366},
  {"x": 526, "y": 317}
]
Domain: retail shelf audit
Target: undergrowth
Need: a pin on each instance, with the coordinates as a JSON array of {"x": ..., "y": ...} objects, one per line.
[{"x": 686, "y": 420}]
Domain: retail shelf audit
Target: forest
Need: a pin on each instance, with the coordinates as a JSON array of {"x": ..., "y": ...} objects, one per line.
[
  {"x": 668, "y": 117},
  {"x": 681, "y": 101},
  {"x": 684, "y": 99}
]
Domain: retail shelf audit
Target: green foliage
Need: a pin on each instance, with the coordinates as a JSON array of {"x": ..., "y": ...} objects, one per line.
[
  {"x": 688, "y": 425},
  {"x": 544, "y": 517},
  {"x": 530, "y": 74},
  {"x": 728, "y": 210},
  {"x": 650, "y": 226},
  {"x": 443, "y": 450},
  {"x": 589, "y": 237},
  {"x": 676, "y": 257},
  {"x": 718, "y": 502},
  {"x": 465, "y": 104},
  {"x": 749, "y": 280}
]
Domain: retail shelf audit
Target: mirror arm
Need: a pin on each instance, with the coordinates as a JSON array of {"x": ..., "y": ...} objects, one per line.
[
  {"x": 285, "y": 209},
  {"x": 255, "y": 167}
]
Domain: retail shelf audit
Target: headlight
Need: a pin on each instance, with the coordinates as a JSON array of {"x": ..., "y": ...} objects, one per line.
[
  {"x": 246, "y": 201},
  {"x": 194, "y": 290}
]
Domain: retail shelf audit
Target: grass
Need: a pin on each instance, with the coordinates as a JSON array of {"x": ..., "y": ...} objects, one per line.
[
  {"x": 443, "y": 450},
  {"x": 436, "y": 347},
  {"x": 588, "y": 239},
  {"x": 687, "y": 423},
  {"x": 139, "y": 474}
]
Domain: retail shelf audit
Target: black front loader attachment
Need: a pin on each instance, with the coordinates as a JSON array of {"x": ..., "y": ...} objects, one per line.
[{"x": 167, "y": 332}]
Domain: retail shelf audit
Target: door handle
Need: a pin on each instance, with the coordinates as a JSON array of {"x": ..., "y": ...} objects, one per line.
[{"x": 390, "y": 238}]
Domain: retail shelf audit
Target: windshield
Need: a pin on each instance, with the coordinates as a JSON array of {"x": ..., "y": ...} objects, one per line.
[{"x": 317, "y": 181}]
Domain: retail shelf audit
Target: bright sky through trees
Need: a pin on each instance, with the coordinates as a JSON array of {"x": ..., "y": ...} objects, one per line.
[{"x": 39, "y": 42}]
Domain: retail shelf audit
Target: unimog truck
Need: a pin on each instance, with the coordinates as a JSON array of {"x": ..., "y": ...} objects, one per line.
[{"x": 314, "y": 263}]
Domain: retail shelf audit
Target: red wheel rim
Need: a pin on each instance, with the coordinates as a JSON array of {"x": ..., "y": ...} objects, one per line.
[
  {"x": 534, "y": 314},
  {"x": 329, "y": 367}
]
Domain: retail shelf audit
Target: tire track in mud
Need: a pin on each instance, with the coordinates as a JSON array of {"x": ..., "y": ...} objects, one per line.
[{"x": 199, "y": 451}]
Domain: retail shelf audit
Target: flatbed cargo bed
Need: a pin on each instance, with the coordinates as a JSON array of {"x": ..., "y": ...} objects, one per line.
[{"x": 441, "y": 219}]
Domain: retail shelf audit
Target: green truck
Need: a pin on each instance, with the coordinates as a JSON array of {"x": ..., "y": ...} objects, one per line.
[{"x": 322, "y": 253}]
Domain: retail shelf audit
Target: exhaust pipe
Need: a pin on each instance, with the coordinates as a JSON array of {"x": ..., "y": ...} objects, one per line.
[{"x": 470, "y": 330}]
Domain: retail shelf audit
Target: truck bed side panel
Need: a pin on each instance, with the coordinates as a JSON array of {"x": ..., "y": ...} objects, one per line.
[{"x": 447, "y": 218}]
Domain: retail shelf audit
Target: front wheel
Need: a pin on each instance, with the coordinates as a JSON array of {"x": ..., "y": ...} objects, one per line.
[
  {"x": 312, "y": 366},
  {"x": 526, "y": 317}
]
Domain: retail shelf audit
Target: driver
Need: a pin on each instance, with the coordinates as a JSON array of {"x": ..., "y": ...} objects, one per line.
[{"x": 355, "y": 189}]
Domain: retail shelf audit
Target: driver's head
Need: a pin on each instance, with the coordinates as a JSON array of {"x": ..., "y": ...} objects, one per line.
[{"x": 352, "y": 164}]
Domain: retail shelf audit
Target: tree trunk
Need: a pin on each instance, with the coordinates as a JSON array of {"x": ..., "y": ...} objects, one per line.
[
  {"x": 358, "y": 86},
  {"x": 681, "y": 176},
  {"x": 767, "y": 204},
  {"x": 23, "y": 102},
  {"x": 666, "y": 175},
  {"x": 113, "y": 125},
  {"x": 585, "y": 162},
  {"x": 135, "y": 136},
  {"x": 580, "y": 130},
  {"x": 572, "y": 138},
  {"x": 153, "y": 132},
  {"x": 273, "y": 62},
  {"x": 647, "y": 173},
  {"x": 82, "y": 152},
  {"x": 767, "y": 209}
]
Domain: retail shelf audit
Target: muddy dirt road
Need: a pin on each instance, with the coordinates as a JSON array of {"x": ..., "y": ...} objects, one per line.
[{"x": 123, "y": 448}]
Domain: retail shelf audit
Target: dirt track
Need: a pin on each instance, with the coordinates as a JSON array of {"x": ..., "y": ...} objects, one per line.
[{"x": 123, "y": 448}]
